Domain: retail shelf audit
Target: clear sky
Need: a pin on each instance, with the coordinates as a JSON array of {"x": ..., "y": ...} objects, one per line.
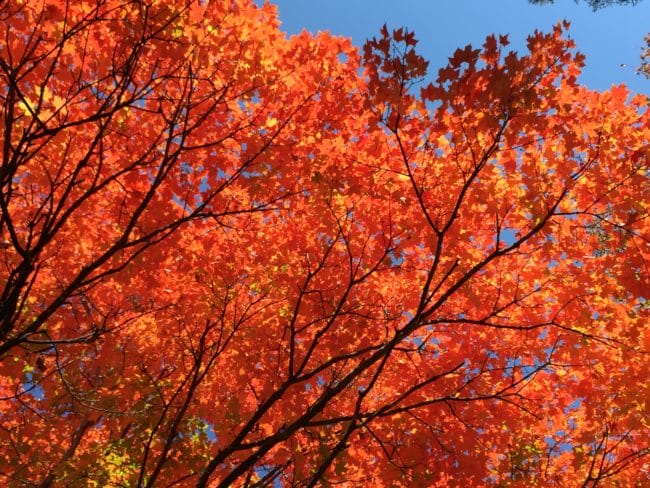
[{"x": 609, "y": 37}]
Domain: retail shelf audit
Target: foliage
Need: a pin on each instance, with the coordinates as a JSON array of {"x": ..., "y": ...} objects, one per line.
[
  {"x": 594, "y": 4},
  {"x": 232, "y": 258},
  {"x": 645, "y": 58}
]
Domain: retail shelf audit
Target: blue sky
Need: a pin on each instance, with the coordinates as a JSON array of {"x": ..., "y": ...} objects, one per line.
[{"x": 609, "y": 37}]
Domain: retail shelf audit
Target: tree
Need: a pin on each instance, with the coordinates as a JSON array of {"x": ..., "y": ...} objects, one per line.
[{"x": 232, "y": 258}]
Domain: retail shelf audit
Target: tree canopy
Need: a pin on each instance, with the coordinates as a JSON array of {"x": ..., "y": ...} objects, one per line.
[{"x": 229, "y": 257}]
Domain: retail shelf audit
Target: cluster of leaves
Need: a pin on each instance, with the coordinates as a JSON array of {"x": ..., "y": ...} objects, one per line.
[
  {"x": 599, "y": 4},
  {"x": 594, "y": 4},
  {"x": 233, "y": 258},
  {"x": 645, "y": 58}
]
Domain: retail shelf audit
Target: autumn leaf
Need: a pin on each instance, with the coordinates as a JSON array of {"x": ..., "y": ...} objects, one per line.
[{"x": 231, "y": 257}]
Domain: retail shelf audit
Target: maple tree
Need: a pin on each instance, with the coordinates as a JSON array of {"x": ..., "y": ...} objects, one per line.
[{"x": 233, "y": 258}]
